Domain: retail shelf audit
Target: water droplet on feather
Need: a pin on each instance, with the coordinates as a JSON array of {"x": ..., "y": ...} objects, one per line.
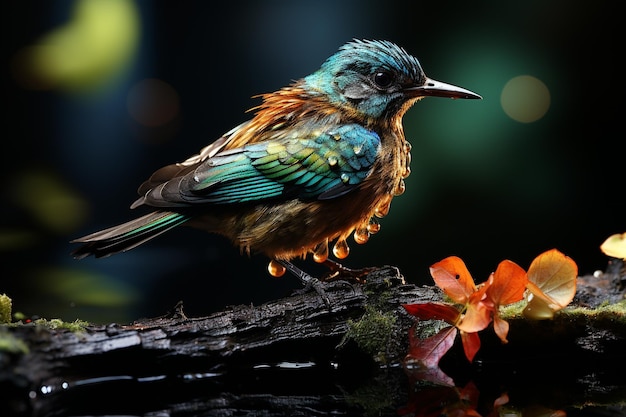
[
  {"x": 383, "y": 207},
  {"x": 320, "y": 254},
  {"x": 341, "y": 249},
  {"x": 361, "y": 234},
  {"x": 276, "y": 269},
  {"x": 373, "y": 227},
  {"x": 400, "y": 189}
]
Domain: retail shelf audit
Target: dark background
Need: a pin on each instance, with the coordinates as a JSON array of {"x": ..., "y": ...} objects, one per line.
[{"x": 483, "y": 186}]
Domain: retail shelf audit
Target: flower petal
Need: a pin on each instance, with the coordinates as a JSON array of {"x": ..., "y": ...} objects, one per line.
[
  {"x": 509, "y": 284},
  {"x": 452, "y": 276},
  {"x": 501, "y": 327}
]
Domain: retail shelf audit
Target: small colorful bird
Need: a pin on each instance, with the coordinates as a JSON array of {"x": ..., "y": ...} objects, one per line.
[{"x": 320, "y": 160}]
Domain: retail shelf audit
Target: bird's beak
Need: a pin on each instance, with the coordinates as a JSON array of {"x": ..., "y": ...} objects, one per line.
[{"x": 438, "y": 89}]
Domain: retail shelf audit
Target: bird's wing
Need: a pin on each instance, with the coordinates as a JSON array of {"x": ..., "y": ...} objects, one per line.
[
  {"x": 180, "y": 169},
  {"x": 318, "y": 164}
]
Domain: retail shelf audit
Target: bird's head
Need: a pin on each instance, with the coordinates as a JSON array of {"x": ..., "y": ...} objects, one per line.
[{"x": 377, "y": 79}]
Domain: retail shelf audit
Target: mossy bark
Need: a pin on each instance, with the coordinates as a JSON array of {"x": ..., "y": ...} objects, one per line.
[{"x": 288, "y": 344}]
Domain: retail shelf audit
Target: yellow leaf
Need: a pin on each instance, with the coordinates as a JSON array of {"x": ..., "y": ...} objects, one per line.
[
  {"x": 615, "y": 246},
  {"x": 538, "y": 308},
  {"x": 552, "y": 284}
]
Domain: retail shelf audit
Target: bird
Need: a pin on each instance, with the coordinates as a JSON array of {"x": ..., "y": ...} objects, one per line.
[{"x": 318, "y": 162}]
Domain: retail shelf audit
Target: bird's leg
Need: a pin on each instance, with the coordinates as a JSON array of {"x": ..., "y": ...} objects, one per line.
[
  {"x": 340, "y": 272},
  {"x": 307, "y": 280}
]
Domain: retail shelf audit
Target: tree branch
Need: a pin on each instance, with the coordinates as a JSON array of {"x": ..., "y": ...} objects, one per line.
[{"x": 364, "y": 330}]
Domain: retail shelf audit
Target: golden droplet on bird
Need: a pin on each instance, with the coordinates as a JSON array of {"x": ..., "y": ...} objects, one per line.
[
  {"x": 383, "y": 206},
  {"x": 345, "y": 178},
  {"x": 407, "y": 160},
  {"x": 373, "y": 227},
  {"x": 400, "y": 189},
  {"x": 361, "y": 234},
  {"x": 276, "y": 269},
  {"x": 320, "y": 254},
  {"x": 341, "y": 249},
  {"x": 332, "y": 160}
]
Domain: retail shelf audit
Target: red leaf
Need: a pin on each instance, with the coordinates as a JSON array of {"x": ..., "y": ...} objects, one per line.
[
  {"x": 435, "y": 375},
  {"x": 469, "y": 394},
  {"x": 424, "y": 355},
  {"x": 431, "y": 349},
  {"x": 501, "y": 327},
  {"x": 471, "y": 344},
  {"x": 433, "y": 311},
  {"x": 430, "y": 401},
  {"x": 452, "y": 276}
]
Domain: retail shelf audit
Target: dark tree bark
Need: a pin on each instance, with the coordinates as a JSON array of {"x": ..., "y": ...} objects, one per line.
[{"x": 315, "y": 357}]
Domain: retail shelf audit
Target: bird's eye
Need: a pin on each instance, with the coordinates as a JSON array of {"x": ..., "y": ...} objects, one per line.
[{"x": 383, "y": 79}]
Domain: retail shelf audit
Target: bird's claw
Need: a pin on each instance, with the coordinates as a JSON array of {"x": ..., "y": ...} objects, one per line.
[
  {"x": 309, "y": 282},
  {"x": 340, "y": 272},
  {"x": 319, "y": 287},
  {"x": 339, "y": 275}
]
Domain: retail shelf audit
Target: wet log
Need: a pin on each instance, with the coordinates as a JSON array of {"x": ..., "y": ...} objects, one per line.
[{"x": 310, "y": 352}]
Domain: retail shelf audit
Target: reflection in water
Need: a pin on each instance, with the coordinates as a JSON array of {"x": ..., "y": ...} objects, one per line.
[
  {"x": 432, "y": 400},
  {"x": 311, "y": 388}
]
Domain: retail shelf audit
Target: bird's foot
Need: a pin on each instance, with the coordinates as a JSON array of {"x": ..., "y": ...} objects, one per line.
[
  {"x": 310, "y": 282},
  {"x": 343, "y": 273}
]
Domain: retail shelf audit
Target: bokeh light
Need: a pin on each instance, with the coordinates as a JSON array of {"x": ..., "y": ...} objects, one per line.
[
  {"x": 84, "y": 293},
  {"x": 51, "y": 202},
  {"x": 86, "y": 288},
  {"x": 87, "y": 52},
  {"x": 525, "y": 99}
]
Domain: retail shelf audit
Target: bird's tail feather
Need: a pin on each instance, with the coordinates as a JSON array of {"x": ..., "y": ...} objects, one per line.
[{"x": 128, "y": 235}]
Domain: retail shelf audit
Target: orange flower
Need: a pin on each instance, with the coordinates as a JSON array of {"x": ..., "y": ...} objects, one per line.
[
  {"x": 551, "y": 281},
  {"x": 507, "y": 286},
  {"x": 482, "y": 302}
]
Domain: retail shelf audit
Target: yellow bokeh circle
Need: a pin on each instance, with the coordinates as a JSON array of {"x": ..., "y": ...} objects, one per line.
[{"x": 525, "y": 99}]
